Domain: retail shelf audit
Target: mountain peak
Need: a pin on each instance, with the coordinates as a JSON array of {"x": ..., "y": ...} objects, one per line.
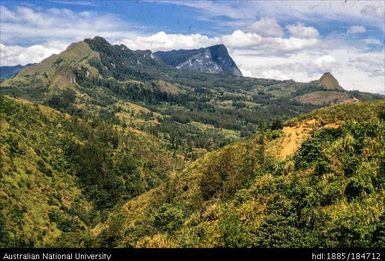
[
  {"x": 96, "y": 39},
  {"x": 213, "y": 59},
  {"x": 329, "y": 82},
  {"x": 218, "y": 47}
]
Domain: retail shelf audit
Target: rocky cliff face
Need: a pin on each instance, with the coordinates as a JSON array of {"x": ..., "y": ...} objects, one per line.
[{"x": 213, "y": 59}]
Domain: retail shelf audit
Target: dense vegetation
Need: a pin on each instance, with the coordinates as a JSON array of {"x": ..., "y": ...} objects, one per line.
[
  {"x": 111, "y": 147},
  {"x": 97, "y": 184},
  {"x": 74, "y": 170},
  {"x": 329, "y": 193}
]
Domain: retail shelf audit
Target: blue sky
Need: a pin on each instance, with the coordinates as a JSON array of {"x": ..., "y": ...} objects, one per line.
[{"x": 272, "y": 39}]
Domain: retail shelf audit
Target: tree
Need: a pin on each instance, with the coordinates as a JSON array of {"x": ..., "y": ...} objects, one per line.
[
  {"x": 111, "y": 236},
  {"x": 4, "y": 240},
  {"x": 378, "y": 236},
  {"x": 211, "y": 182},
  {"x": 276, "y": 124},
  {"x": 63, "y": 100},
  {"x": 168, "y": 218},
  {"x": 234, "y": 233}
]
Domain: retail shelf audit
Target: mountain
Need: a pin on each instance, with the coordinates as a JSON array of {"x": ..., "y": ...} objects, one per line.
[
  {"x": 297, "y": 186},
  {"x": 193, "y": 111},
  {"x": 213, "y": 59},
  {"x": 327, "y": 91},
  {"x": 328, "y": 82},
  {"x": 102, "y": 146},
  {"x": 10, "y": 71},
  {"x": 60, "y": 174}
]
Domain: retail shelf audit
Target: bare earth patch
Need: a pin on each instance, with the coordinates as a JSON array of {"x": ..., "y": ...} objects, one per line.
[{"x": 294, "y": 136}]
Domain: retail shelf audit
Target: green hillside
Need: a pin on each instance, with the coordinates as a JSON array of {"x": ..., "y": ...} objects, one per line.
[
  {"x": 318, "y": 180},
  {"x": 61, "y": 175},
  {"x": 328, "y": 191},
  {"x": 102, "y": 146},
  {"x": 193, "y": 112}
]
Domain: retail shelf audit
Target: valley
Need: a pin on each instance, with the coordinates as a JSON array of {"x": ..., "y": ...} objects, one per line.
[{"x": 123, "y": 148}]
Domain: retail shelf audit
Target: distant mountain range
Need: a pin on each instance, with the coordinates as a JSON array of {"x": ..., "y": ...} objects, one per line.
[
  {"x": 213, "y": 59},
  {"x": 93, "y": 77},
  {"x": 207, "y": 70},
  {"x": 10, "y": 71}
]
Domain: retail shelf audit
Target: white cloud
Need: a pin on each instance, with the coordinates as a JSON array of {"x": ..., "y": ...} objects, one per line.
[
  {"x": 14, "y": 54},
  {"x": 266, "y": 27},
  {"x": 239, "y": 39},
  {"x": 371, "y": 41},
  {"x": 274, "y": 74},
  {"x": 230, "y": 9},
  {"x": 374, "y": 10},
  {"x": 245, "y": 73},
  {"x": 371, "y": 63},
  {"x": 163, "y": 41},
  {"x": 301, "y": 31},
  {"x": 6, "y": 14},
  {"x": 266, "y": 45},
  {"x": 24, "y": 24},
  {"x": 370, "y": 12},
  {"x": 354, "y": 69},
  {"x": 356, "y": 29},
  {"x": 325, "y": 62}
]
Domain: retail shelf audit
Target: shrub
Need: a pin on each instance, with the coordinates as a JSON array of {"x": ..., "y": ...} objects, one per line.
[
  {"x": 276, "y": 124},
  {"x": 114, "y": 233},
  {"x": 210, "y": 184},
  {"x": 309, "y": 152},
  {"x": 4, "y": 240},
  {"x": 63, "y": 223},
  {"x": 331, "y": 194},
  {"x": 63, "y": 100},
  {"x": 351, "y": 165},
  {"x": 278, "y": 231},
  {"x": 242, "y": 196},
  {"x": 322, "y": 167},
  {"x": 381, "y": 168},
  {"x": 168, "y": 218},
  {"x": 233, "y": 232},
  {"x": 329, "y": 134},
  {"x": 344, "y": 234},
  {"x": 378, "y": 236},
  {"x": 356, "y": 188},
  {"x": 43, "y": 168},
  {"x": 381, "y": 114}
]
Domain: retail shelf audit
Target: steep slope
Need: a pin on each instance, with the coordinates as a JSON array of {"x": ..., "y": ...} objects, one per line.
[
  {"x": 326, "y": 191},
  {"x": 213, "y": 59},
  {"x": 60, "y": 175},
  {"x": 54, "y": 74}
]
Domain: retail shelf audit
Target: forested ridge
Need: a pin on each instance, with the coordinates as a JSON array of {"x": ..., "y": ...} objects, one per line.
[{"x": 102, "y": 146}]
